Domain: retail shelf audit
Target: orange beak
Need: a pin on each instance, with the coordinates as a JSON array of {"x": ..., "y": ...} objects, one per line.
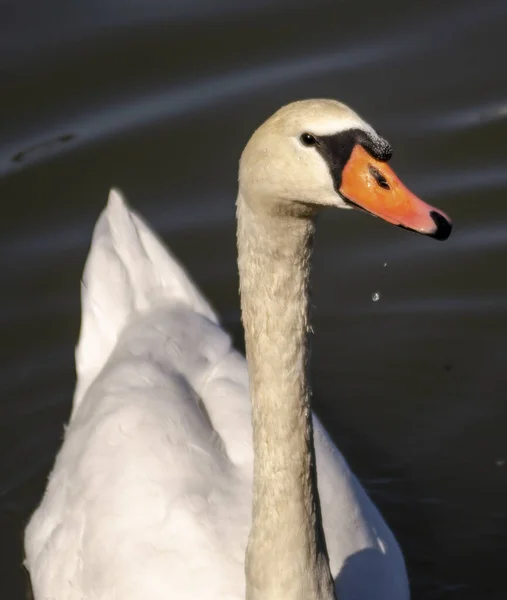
[{"x": 372, "y": 185}]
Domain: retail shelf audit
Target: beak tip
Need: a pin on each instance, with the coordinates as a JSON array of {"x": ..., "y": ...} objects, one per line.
[{"x": 443, "y": 226}]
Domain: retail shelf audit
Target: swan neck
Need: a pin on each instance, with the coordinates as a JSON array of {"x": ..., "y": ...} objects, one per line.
[{"x": 286, "y": 554}]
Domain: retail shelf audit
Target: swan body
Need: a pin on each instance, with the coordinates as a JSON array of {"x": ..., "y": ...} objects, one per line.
[{"x": 151, "y": 493}]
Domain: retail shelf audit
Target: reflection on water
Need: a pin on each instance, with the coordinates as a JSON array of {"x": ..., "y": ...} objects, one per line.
[{"x": 158, "y": 98}]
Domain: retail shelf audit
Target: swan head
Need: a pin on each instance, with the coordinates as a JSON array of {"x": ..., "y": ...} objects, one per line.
[{"x": 316, "y": 153}]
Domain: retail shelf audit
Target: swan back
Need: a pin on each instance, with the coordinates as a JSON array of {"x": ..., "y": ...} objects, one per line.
[
  {"x": 150, "y": 491},
  {"x": 129, "y": 271}
]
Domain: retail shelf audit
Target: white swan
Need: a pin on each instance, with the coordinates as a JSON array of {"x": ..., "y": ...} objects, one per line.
[{"x": 151, "y": 494}]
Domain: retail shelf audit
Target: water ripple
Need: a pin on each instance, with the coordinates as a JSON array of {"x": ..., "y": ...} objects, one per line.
[
  {"x": 458, "y": 119},
  {"x": 177, "y": 101}
]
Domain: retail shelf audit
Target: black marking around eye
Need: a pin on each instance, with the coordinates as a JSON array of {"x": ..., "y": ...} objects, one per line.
[{"x": 336, "y": 149}]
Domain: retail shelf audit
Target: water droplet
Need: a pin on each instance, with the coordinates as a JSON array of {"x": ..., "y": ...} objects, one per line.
[
  {"x": 385, "y": 264},
  {"x": 375, "y": 296}
]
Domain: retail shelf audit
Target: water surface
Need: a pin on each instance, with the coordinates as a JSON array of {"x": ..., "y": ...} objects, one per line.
[{"x": 159, "y": 98}]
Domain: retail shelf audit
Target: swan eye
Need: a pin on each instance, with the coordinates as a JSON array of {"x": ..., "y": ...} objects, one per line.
[
  {"x": 307, "y": 139},
  {"x": 379, "y": 178}
]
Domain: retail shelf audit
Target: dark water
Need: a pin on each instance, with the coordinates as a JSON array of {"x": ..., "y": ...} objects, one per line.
[{"x": 158, "y": 98}]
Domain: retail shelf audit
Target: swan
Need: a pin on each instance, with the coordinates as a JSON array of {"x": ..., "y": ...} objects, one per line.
[{"x": 187, "y": 471}]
